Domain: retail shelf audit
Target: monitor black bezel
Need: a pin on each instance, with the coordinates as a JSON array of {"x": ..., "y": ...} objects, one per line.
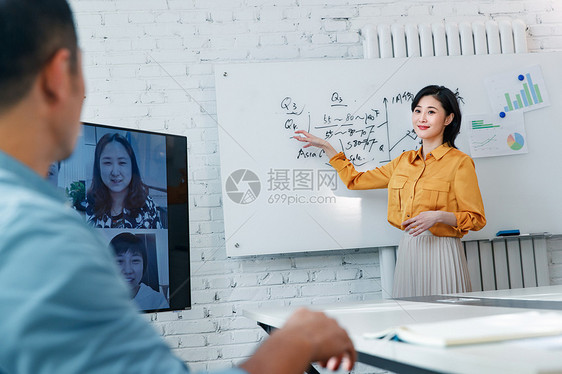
[{"x": 178, "y": 239}]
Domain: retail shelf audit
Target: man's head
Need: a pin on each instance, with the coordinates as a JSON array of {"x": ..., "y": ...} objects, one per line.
[
  {"x": 40, "y": 70},
  {"x": 31, "y": 32}
]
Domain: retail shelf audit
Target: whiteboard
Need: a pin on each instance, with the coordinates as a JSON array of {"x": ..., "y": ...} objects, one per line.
[{"x": 280, "y": 198}]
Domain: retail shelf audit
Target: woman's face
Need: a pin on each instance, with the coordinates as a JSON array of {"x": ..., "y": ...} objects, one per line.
[
  {"x": 131, "y": 265},
  {"x": 430, "y": 119},
  {"x": 115, "y": 167}
]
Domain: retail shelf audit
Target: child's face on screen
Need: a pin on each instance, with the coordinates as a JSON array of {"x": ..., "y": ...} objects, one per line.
[
  {"x": 115, "y": 167},
  {"x": 131, "y": 265}
]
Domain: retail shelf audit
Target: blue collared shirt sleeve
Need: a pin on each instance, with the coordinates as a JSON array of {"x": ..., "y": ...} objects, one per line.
[{"x": 64, "y": 307}]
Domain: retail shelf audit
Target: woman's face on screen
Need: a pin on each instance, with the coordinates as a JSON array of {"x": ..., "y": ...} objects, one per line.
[
  {"x": 131, "y": 265},
  {"x": 115, "y": 167}
]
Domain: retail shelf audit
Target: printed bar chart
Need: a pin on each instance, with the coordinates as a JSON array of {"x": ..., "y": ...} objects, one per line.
[
  {"x": 479, "y": 124},
  {"x": 523, "y": 89},
  {"x": 528, "y": 96}
]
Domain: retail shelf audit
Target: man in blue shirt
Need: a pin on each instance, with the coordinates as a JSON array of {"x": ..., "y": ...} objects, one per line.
[{"x": 64, "y": 307}]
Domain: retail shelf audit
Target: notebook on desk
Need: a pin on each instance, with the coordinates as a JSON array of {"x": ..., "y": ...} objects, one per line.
[{"x": 476, "y": 330}]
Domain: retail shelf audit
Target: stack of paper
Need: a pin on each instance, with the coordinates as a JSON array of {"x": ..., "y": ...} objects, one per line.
[{"x": 478, "y": 330}]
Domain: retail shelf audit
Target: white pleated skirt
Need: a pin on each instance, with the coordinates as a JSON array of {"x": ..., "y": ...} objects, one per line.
[{"x": 429, "y": 265}]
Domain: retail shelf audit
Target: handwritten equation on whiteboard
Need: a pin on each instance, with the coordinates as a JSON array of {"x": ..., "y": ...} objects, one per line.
[
  {"x": 373, "y": 135},
  {"x": 367, "y": 135}
]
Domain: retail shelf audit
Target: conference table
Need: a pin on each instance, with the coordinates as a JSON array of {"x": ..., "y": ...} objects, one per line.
[{"x": 536, "y": 355}]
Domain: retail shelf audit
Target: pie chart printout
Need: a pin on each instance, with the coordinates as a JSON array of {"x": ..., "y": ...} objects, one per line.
[{"x": 515, "y": 141}]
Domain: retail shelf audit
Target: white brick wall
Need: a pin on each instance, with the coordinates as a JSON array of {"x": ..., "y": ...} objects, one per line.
[{"x": 149, "y": 65}]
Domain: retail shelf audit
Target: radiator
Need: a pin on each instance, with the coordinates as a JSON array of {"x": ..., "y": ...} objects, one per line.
[
  {"x": 497, "y": 264},
  {"x": 444, "y": 39},
  {"x": 507, "y": 263}
]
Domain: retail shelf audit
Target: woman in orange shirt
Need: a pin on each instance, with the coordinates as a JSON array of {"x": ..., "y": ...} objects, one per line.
[{"x": 433, "y": 196}]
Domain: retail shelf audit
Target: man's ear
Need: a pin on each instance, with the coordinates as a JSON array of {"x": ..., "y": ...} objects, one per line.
[{"x": 55, "y": 77}]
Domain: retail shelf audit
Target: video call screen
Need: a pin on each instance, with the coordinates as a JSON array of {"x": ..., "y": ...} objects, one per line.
[{"x": 131, "y": 185}]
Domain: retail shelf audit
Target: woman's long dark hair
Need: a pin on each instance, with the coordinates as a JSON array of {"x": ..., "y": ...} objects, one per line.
[
  {"x": 450, "y": 103},
  {"x": 98, "y": 195}
]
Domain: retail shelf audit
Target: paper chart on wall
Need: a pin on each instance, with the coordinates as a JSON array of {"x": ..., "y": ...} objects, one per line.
[
  {"x": 491, "y": 135},
  {"x": 517, "y": 90}
]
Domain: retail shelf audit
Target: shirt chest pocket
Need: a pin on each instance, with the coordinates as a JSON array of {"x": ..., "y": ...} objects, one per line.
[
  {"x": 435, "y": 194},
  {"x": 396, "y": 192}
]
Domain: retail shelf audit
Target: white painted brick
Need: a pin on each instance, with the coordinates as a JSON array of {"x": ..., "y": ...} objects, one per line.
[
  {"x": 348, "y": 274},
  {"x": 298, "y": 38},
  {"x": 554, "y": 243},
  {"x": 318, "y": 262},
  {"x": 325, "y": 52},
  {"x": 299, "y": 276},
  {"x": 170, "y": 43},
  {"x": 153, "y": 98},
  {"x": 323, "y": 38},
  {"x": 315, "y": 289},
  {"x": 369, "y": 11},
  {"x": 263, "y": 264},
  {"x": 242, "y": 294},
  {"x": 216, "y": 241},
  {"x": 245, "y": 14},
  {"x": 348, "y": 37},
  {"x": 207, "y": 173},
  {"x": 236, "y": 323},
  {"x": 146, "y": 5},
  {"x": 267, "y": 27},
  {"x": 221, "y": 365},
  {"x": 283, "y": 292},
  {"x": 92, "y": 6},
  {"x": 270, "y": 279},
  {"x": 217, "y": 213},
  {"x": 189, "y": 327},
  {"x": 284, "y": 3},
  {"x": 193, "y": 355},
  {"x": 270, "y": 14},
  {"x": 276, "y": 52},
  {"x": 336, "y": 12},
  {"x": 334, "y": 25},
  {"x": 323, "y": 275},
  {"x": 133, "y": 17},
  {"x": 213, "y": 267},
  {"x": 552, "y": 44},
  {"x": 222, "y": 28},
  {"x": 418, "y": 10},
  {"x": 273, "y": 39},
  {"x": 220, "y": 310},
  {"x": 555, "y": 271},
  {"x": 394, "y": 10},
  {"x": 232, "y": 351},
  {"x": 245, "y": 279},
  {"x": 221, "y": 15},
  {"x": 465, "y": 8},
  {"x": 89, "y": 19},
  {"x": 371, "y": 285}
]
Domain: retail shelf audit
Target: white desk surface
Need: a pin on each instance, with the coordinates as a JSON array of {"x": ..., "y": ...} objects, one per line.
[
  {"x": 542, "y": 355},
  {"x": 545, "y": 293}
]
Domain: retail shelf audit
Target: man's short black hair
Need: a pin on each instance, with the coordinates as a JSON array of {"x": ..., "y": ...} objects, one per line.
[{"x": 31, "y": 31}]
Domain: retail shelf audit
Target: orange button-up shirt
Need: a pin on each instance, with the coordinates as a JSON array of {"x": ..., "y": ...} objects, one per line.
[{"x": 445, "y": 181}]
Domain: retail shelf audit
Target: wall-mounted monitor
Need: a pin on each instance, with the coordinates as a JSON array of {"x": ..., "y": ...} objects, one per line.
[{"x": 131, "y": 185}]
